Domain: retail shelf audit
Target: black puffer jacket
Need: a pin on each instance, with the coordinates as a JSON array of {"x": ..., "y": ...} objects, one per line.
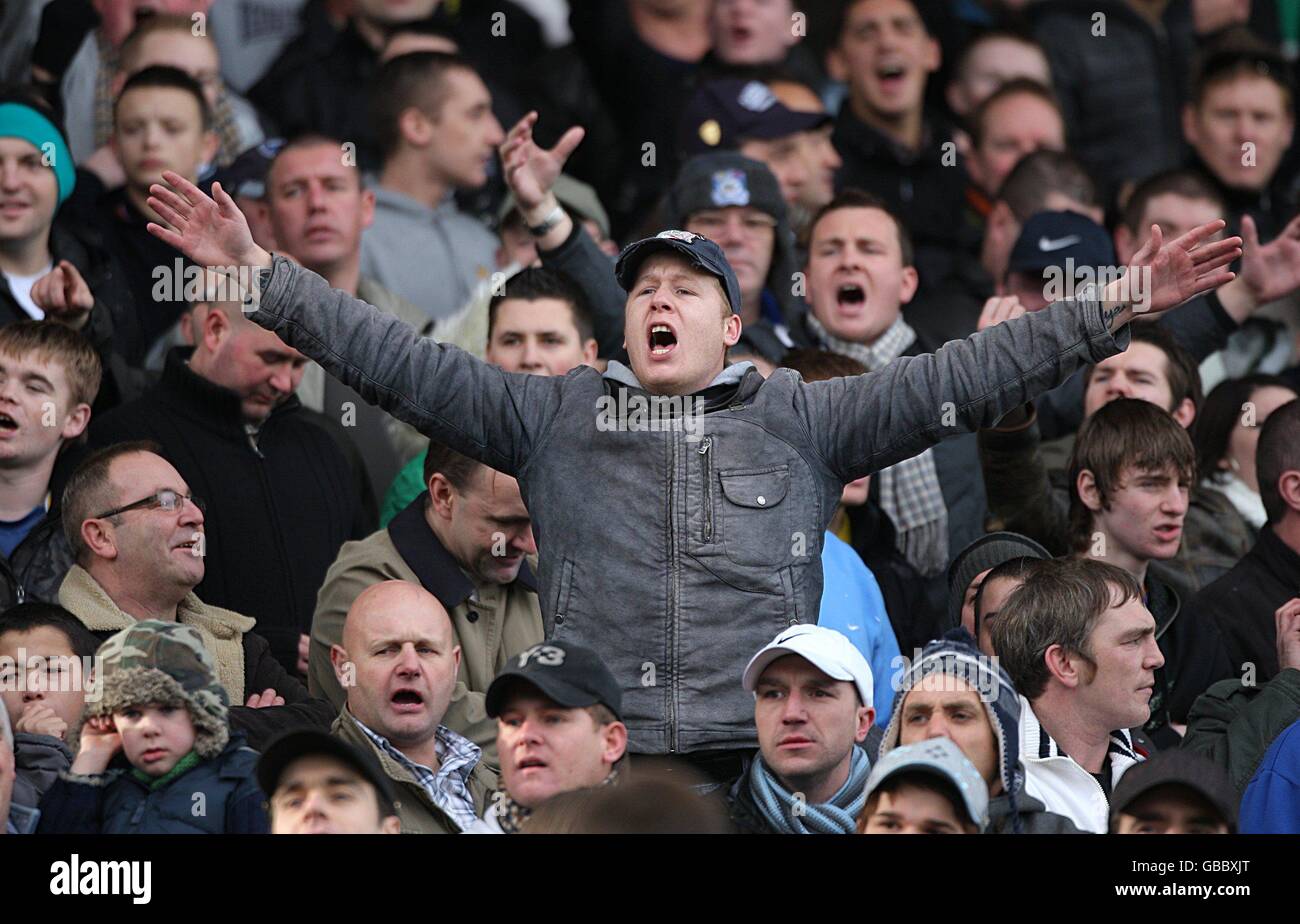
[{"x": 39, "y": 563}]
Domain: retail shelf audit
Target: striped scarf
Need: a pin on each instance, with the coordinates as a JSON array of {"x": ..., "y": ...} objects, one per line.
[
  {"x": 909, "y": 490},
  {"x": 787, "y": 815}
]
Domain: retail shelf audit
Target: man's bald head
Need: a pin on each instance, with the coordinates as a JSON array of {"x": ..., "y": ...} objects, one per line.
[
  {"x": 398, "y": 662},
  {"x": 418, "y": 606}
]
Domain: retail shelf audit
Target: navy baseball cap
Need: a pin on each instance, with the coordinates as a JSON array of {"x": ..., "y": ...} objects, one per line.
[
  {"x": 1048, "y": 239},
  {"x": 246, "y": 174},
  {"x": 305, "y": 742},
  {"x": 571, "y": 675},
  {"x": 696, "y": 248},
  {"x": 725, "y": 113}
]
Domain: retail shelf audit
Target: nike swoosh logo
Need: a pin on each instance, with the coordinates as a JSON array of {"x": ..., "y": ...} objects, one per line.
[{"x": 1048, "y": 245}]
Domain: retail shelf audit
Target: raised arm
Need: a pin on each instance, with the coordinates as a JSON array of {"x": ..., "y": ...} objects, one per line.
[
  {"x": 445, "y": 393},
  {"x": 865, "y": 423}
]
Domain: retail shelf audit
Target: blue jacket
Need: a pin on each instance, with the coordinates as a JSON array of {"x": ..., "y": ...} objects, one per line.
[
  {"x": 1272, "y": 801},
  {"x": 218, "y": 796},
  {"x": 852, "y": 605}
]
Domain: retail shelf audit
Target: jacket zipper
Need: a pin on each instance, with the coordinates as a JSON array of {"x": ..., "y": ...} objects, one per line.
[
  {"x": 708, "y": 487},
  {"x": 672, "y": 598}
]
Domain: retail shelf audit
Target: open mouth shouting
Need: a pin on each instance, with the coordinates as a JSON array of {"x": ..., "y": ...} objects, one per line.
[
  {"x": 850, "y": 298},
  {"x": 532, "y": 763},
  {"x": 406, "y": 701},
  {"x": 661, "y": 339},
  {"x": 891, "y": 77},
  {"x": 7, "y": 425}
]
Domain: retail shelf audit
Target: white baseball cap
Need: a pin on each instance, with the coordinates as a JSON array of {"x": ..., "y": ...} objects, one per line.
[{"x": 827, "y": 650}]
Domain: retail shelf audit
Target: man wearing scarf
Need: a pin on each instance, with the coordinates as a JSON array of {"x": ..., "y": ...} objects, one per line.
[{"x": 813, "y": 708}]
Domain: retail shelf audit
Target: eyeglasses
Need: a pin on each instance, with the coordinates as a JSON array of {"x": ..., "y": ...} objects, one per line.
[{"x": 166, "y": 499}]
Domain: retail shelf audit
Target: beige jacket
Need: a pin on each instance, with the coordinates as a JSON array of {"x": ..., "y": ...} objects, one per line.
[
  {"x": 500, "y": 620},
  {"x": 222, "y": 630}
]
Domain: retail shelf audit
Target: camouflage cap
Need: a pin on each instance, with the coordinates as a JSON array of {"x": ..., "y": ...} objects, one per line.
[{"x": 165, "y": 663}]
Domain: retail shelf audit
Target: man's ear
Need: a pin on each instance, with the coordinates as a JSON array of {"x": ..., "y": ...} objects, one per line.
[
  {"x": 731, "y": 326},
  {"x": 1086, "y": 487},
  {"x": 1185, "y": 413},
  {"x": 615, "y": 735},
  {"x": 215, "y": 330},
  {"x": 933, "y": 55},
  {"x": 99, "y": 538},
  {"x": 339, "y": 660},
  {"x": 1062, "y": 666},
  {"x": 415, "y": 127},
  {"x": 1288, "y": 486},
  {"x": 590, "y": 350},
  {"x": 866, "y": 717},
  {"x": 76, "y": 422},
  {"x": 440, "y": 495},
  {"x": 367, "y": 208},
  {"x": 391, "y": 825},
  {"x": 908, "y": 283}
]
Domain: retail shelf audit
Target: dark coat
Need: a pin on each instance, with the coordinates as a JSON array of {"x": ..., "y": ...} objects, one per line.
[
  {"x": 278, "y": 512},
  {"x": 1242, "y": 603},
  {"x": 116, "y": 802},
  {"x": 1234, "y": 723},
  {"x": 38, "y": 564}
]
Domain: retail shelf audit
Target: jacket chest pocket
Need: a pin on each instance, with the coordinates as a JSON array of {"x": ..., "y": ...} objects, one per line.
[{"x": 755, "y": 519}]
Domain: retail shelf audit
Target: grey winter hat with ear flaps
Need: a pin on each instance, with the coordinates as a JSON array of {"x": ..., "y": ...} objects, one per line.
[{"x": 163, "y": 663}]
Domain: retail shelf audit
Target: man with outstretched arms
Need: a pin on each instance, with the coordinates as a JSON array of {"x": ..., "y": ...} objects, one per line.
[{"x": 680, "y": 500}]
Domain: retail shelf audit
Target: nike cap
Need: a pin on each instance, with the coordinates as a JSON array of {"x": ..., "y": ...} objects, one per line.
[{"x": 1060, "y": 240}]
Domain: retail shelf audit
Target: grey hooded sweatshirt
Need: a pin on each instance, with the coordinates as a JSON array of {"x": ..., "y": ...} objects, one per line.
[{"x": 677, "y": 552}]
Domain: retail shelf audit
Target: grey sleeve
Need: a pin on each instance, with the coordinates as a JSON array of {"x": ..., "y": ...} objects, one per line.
[
  {"x": 593, "y": 271},
  {"x": 1201, "y": 327},
  {"x": 865, "y": 423},
  {"x": 442, "y": 391}
]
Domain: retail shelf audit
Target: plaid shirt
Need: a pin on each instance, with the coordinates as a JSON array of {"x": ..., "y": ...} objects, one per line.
[{"x": 449, "y": 786}]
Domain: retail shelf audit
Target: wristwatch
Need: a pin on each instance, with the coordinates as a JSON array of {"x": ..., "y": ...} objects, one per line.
[{"x": 548, "y": 224}]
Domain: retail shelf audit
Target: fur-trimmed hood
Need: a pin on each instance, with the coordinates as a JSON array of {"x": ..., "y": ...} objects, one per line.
[{"x": 163, "y": 663}]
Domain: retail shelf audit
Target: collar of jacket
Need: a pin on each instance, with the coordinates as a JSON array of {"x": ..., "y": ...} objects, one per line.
[
  {"x": 734, "y": 374},
  {"x": 207, "y": 402},
  {"x": 1037, "y": 745},
  {"x": 222, "y": 630},
  {"x": 870, "y": 143},
  {"x": 1162, "y": 599},
  {"x": 345, "y": 727},
  {"x": 1276, "y": 556},
  {"x": 386, "y": 198},
  {"x": 439, "y": 572}
]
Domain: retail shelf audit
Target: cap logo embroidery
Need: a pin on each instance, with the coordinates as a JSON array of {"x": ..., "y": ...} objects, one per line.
[
  {"x": 1047, "y": 244},
  {"x": 730, "y": 188},
  {"x": 545, "y": 655},
  {"x": 756, "y": 97},
  {"x": 688, "y": 237}
]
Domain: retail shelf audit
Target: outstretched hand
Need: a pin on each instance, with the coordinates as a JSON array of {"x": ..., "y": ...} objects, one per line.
[
  {"x": 210, "y": 230},
  {"x": 1164, "y": 274},
  {"x": 530, "y": 170}
]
